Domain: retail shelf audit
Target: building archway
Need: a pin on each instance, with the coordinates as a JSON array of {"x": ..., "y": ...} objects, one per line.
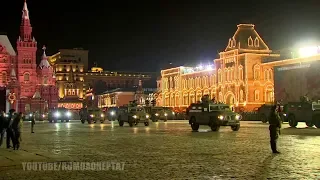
[{"x": 230, "y": 99}]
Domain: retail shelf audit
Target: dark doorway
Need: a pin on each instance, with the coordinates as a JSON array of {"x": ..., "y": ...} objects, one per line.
[{"x": 2, "y": 99}]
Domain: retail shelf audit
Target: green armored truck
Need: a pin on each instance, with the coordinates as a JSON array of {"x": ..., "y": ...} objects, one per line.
[
  {"x": 213, "y": 115},
  {"x": 133, "y": 115}
]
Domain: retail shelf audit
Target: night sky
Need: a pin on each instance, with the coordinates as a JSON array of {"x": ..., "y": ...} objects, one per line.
[{"x": 147, "y": 35}]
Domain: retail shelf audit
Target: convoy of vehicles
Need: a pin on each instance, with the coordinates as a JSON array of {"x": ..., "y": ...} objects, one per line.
[
  {"x": 133, "y": 116},
  {"x": 213, "y": 115},
  {"x": 61, "y": 113}
]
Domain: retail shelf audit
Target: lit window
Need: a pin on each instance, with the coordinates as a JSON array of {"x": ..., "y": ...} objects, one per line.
[{"x": 26, "y": 77}]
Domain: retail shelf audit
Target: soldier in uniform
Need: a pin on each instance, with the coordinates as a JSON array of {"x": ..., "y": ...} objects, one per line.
[{"x": 274, "y": 128}]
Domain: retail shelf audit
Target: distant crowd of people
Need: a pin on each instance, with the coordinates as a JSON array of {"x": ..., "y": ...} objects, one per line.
[{"x": 11, "y": 125}]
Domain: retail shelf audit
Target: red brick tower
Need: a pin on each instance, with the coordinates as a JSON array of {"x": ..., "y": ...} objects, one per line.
[{"x": 26, "y": 61}]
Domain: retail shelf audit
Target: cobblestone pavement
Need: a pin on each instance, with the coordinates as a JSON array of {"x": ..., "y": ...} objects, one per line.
[{"x": 166, "y": 150}]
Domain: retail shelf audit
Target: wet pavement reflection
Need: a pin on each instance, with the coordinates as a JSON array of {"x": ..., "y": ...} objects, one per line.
[{"x": 171, "y": 150}]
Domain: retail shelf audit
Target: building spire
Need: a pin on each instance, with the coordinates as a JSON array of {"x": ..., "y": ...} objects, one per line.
[
  {"x": 25, "y": 11},
  {"x": 44, "y": 60}
]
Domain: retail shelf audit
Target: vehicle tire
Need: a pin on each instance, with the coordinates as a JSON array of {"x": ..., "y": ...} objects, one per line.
[
  {"x": 130, "y": 124},
  {"x": 146, "y": 124},
  {"x": 62, "y": 121},
  {"x": 292, "y": 121},
  {"x": 50, "y": 121},
  {"x": 67, "y": 120},
  {"x": 235, "y": 127},
  {"x": 89, "y": 122},
  {"x": 165, "y": 120},
  {"x": 101, "y": 121},
  {"x": 215, "y": 127},
  {"x": 194, "y": 124},
  {"x": 82, "y": 121},
  {"x": 309, "y": 124},
  {"x": 264, "y": 118},
  {"x": 55, "y": 121},
  {"x": 121, "y": 123},
  {"x": 94, "y": 121}
]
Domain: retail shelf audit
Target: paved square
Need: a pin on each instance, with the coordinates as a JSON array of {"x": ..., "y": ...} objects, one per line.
[{"x": 165, "y": 151}]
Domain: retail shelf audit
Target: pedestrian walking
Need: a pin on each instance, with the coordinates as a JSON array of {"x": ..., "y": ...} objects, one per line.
[
  {"x": 17, "y": 131},
  {"x": 9, "y": 130},
  {"x": 33, "y": 122},
  {"x": 274, "y": 128}
]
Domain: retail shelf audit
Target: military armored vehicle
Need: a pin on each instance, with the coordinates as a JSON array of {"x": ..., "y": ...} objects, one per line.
[
  {"x": 308, "y": 112},
  {"x": 92, "y": 115},
  {"x": 212, "y": 114},
  {"x": 264, "y": 112},
  {"x": 112, "y": 113},
  {"x": 133, "y": 115},
  {"x": 160, "y": 113},
  {"x": 61, "y": 113}
]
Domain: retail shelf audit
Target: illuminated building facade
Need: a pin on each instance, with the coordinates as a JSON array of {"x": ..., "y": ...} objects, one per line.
[
  {"x": 122, "y": 96},
  {"x": 101, "y": 80},
  {"x": 238, "y": 77},
  {"x": 29, "y": 87}
]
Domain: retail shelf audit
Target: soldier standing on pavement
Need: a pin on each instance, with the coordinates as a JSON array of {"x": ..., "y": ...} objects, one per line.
[
  {"x": 274, "y": 128},
  {"x": 8, "y": 125},
  {"x": 33, "y": 122},
  {"x": 16, "y": 127}
]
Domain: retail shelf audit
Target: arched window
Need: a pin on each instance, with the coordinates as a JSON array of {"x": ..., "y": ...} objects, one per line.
[
  {"x": 4, "y": 76},
  {"x": 256, "y": 72},
  {"x": 45, "y": 80},
  {"x": 241, "y": 73},
  {"x": 26, "y": 77},
  {"x": 250, "y": 41},
  {"x": 256, "y": 95},
  {"x": 225, "y": 74},
  {"x": 241, "y": 95},
  {"x": 219, "y": 76},
  {"x": 256, "y": 42}
]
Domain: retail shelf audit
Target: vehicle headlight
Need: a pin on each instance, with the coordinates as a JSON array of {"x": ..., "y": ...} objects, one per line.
[
  {"x": 42, "y": 115},
  {"x": 112, "y": 113},
  {"x": 220, "y": 117},
  {"x": 91, "y": 115},
  {"x": 57, "y": 114},
  {"x": 165, "y": 114},
  {"x": 68, "y": 114},
  {"x": 30, "y": 115},
  {"x": 135, "y": 116},
  {"x": 238, "y": 117},
  {"x": 284, "y": 114},
  {"x": 147, "y": 116},
  {"x": 156, "y": 114},
  {"x": 6, "y": 115},
  {"x": 102, "y": 115},
  {"x": 173, "y": 113}
]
